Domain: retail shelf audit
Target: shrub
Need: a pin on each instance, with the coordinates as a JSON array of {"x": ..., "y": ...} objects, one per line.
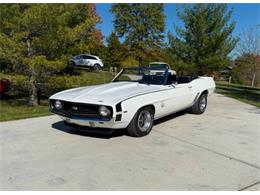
[
  {"x": 19, "y": 85},
  {"x": 59, "y": 83}
]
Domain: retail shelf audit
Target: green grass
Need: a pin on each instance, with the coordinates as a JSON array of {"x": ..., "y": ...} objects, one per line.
[
  {"x": 250, "y": 95},
  {"x": 17, "y": 109}
]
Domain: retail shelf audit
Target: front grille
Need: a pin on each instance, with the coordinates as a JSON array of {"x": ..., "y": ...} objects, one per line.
[{"x": 71, "y": 109}]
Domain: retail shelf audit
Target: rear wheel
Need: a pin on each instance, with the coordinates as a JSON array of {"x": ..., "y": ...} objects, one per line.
[
  {"x": 142, "y": 123},
  {"x": 70, "y": 67},
  {"x": 200, "y": 105}
]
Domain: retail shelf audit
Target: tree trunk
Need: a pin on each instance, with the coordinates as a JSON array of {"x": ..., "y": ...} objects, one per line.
[
  {"x": 33, "y": 92},
  {"x": 253, "y": 80},
  {"x": 33, "y": 97},
  {"x": 29, "y": 47}
]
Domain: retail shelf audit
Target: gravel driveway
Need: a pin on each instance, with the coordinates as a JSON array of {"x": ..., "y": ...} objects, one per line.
[{"x": 219, "y": 150}]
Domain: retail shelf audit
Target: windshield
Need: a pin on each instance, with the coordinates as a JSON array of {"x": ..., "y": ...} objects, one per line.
[
  {"x": 158, "y": 65},
  {"x": 142, "y": 75}
]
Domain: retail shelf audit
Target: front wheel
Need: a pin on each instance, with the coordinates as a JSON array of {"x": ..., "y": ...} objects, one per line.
[
  {"x": 96, "y": 67},
  {"x": 142, "y": 123},
  {"x": 200, "y": 105}
]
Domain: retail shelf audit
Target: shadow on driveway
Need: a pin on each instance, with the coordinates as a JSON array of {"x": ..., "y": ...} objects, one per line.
[
  {"x": 105, "y": 133},
  {"x": 88, "y": 131},
  {"x": 170, "y": 117}
]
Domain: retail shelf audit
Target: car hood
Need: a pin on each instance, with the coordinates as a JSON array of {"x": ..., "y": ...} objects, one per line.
[{"x": 107, "y": 94}]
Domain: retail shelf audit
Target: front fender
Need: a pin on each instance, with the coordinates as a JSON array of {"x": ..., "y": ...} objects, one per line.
[{"x": 131, "y": 106}]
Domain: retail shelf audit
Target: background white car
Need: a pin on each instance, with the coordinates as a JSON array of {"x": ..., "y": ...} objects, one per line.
[
  {"x": 159, "y": 65},
  {"x": 87, "y": 61}
]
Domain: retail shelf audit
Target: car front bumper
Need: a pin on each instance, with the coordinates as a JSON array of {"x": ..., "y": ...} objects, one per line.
[{"x": 109, "y": 124}]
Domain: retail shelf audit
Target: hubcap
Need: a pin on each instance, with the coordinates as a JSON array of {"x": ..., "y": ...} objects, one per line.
[
  {"x": 203, "y": 103},
  {"x": 144, "y": 120}
]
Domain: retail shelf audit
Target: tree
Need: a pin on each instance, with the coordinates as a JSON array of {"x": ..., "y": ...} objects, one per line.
[
  {"x": 249, "y": 68},
  {"x": 116, "y": 52},
  {"x": 205, "y": 41},
  {"x": 248, "y": 50},
  {"x": 141, "y": 26},
  {"x": 249, "y": 42},
  {"x": 38, "y": 39}
]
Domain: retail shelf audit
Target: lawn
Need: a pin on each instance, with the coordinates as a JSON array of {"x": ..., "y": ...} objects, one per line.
[
  {"x": 250, "y": 95},
  {"x": 14, "y": 109}
]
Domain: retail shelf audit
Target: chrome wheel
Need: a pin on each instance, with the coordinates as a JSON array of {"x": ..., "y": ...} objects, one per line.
[
  {"x": 144, "y": 120},
  {"x": 203, "y": 103}
]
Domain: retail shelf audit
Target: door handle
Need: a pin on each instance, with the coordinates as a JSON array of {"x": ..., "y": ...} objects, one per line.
[{"x": 190, "y": 87}]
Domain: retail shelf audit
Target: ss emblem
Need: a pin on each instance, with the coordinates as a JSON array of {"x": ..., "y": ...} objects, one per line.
[{"x": 74, "y": 108}]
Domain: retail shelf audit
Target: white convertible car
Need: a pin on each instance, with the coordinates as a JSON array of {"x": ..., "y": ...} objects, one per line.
[{"x": 133, "y": 100}]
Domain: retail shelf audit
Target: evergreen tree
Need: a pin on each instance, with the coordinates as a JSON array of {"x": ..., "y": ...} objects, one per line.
[
  {"x": 142, "y": 27},
  {"x": 38, "y": 39},
  {"x": 205, "y": 41}
]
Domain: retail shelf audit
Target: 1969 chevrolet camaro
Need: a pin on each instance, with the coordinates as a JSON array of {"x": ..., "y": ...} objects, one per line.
[{"x": 133, "y": 100}]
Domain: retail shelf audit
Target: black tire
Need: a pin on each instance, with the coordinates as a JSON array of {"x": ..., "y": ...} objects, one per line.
[
  {"x": 200, "y": 105},
  {"x": 135, "y": 127},
  {"x": 96, "y": 67}
]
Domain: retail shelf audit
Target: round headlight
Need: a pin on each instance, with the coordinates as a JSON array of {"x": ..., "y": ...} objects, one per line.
[
  {"x": 51, "y": 106},
  {"x": 58, "y": 105},
  {"x": 104, "y": 111}
]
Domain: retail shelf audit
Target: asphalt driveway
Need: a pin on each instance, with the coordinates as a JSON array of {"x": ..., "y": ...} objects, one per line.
[{"x": 219, "y": 150}]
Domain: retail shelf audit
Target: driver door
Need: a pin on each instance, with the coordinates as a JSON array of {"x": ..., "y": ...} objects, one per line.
[{"x": 180, "y": 97}]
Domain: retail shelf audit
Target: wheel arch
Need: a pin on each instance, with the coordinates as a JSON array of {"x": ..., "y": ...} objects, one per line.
[
  {"x": 148, "y": 105},
  {"x": 97, "y": 64},
  {"x": 198, "y": 94},
  {"x": 205, "y": 91},
  {"x": 72, "y": 62}
]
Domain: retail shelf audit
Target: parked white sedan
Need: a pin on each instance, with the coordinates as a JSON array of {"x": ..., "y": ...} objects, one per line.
[{"x": 133, "y": 100}]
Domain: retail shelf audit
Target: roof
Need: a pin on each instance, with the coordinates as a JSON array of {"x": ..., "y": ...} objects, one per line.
[
  {"x": 158, "y": 63},
  {"x": 86, "y": 55}
]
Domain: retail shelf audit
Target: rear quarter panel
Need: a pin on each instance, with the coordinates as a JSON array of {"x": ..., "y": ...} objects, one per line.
[{"x": 203, "y": 83}]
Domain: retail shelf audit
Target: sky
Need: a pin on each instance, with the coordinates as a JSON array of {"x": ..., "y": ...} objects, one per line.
[{"x": 245, "y": 16}]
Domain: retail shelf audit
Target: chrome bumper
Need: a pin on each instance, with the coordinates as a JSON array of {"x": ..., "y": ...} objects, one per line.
[{"x": 111, "y": 124}]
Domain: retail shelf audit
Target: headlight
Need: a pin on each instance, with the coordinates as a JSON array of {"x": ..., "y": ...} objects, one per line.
[
  {"x": 58, "y": 105},
  {"x": 51, "y": 106},
  {"x": 104, "y": 111}
]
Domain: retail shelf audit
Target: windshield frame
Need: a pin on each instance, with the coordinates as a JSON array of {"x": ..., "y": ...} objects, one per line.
[
  {"x": 165, "y": 74},
  {"x": 158, "y": 65}
]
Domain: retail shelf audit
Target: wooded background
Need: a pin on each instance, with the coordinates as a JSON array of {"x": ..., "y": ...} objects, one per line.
[{"x": 37, "y": 41}]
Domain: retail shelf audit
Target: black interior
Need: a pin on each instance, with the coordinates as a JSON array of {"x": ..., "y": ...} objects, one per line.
[
  {"x": 182, "y": 79},
  {"x": 173, "y": 79},
  {"x": 153, "y": 79},
  {"x": 158, "y": 79}
]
